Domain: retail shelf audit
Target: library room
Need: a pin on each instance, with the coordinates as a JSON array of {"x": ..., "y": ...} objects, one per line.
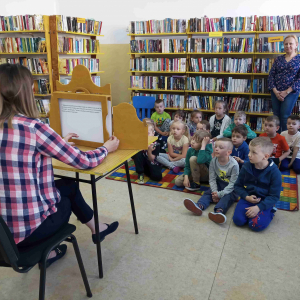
[{"x": 149, "y": 150}]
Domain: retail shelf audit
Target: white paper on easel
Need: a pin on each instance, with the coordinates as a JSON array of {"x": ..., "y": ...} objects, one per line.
[
  {"x": 109, "y": 119},
  {"x": 84, "y": 118}
]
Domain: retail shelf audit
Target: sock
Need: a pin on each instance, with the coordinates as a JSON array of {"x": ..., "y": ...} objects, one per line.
[{"x": 219, "y": 210}]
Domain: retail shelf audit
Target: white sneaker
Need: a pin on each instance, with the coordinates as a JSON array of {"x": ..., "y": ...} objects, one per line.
[{"x": 217, "y": 217}]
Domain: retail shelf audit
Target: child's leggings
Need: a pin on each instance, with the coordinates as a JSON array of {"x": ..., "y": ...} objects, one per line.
[
  {"x": 295, "y": 165},
  {"x": 258, "y": 223},
  {"x": 163, "y": 158}
]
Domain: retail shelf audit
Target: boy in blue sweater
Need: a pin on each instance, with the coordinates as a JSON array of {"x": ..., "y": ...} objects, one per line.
[
  {"x": 258, "y": 185},
  {"x": 240, "y": 149}
]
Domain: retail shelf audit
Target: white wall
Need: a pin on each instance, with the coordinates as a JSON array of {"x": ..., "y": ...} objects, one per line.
[{"x": 116, "y": 14}]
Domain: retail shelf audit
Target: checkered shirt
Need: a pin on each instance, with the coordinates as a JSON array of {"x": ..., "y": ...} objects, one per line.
[{"x": 27, "y": 189}]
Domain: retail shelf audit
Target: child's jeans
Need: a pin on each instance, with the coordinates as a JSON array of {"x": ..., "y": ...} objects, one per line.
[
  {"x": 258, "y": 223},
  {"x": 295, "y": 165},
  {"x": 163, "y": 158},
  {"x": 224, "y": 203},
  {"x": 199, "y": 173}
]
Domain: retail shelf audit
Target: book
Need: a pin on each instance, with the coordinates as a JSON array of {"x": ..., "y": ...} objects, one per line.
[
  {"x": 158, "y": 82},
  {"x": 66, "y": 66},
  {"x": 21, "y": 23}
]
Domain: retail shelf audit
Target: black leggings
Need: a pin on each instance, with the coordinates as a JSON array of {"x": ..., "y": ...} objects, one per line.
[{"x": 71, "y": 201}]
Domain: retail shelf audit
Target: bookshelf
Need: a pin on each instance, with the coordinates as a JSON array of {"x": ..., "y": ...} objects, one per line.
[
  {"x": 27, "y": 58},
  {"x": 63, "y": 62},
  {"x": 255, "y": 76}
]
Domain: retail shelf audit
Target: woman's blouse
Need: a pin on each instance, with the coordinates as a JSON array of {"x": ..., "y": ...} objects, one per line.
[
  {"x": 285, "y": 74},
  {"x": 27, "y": 189}
]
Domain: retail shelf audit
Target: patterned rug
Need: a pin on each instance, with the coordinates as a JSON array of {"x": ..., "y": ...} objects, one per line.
[{"x": 288, "y": 198}]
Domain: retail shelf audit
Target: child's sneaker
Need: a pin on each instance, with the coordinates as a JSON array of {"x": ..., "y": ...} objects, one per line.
[
  {"x": 217, "y": 217},
  {"x": 140, "y": 179},
  {"x": 176, "y": 170},
  {"x": 192, "y": 206},
  {"x": 193, "y": 186}
]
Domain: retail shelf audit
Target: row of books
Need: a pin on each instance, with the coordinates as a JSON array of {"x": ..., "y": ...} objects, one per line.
[
  {"x": 198, "y": 102},
  {"x": 35, "y": 65},
  {"x": 229, "y": 65},
  {"x": 158, "y": 26},
  {"x": 296, "y": 109},
  {"x": 158, "y": 64},
  {"x": 263, "y": 65},
  {"x": 260, "y": 85},
  {"x": 43, "y": 106},
  {"x": 78, "y": 45},
  {"x": 260, "y": 105},
  {"x": 170, "y": 100},
  {"x": 238, "y": 103},
  {"x": 256, "y": 123},
  {"x": 216, "y": 45},
  {"x": 22, "y": 45},
  {"x": 96, "y": 80},
  {"x": 158, "y": 82},
  {"x": 45, "y": 120},
  {"x": 211, "y": 84},
  {"x": 262, "y": 45},
  {"x": 159, "y": 46},
  {"x": 279, "y": 23},
  {"x": 66, "y": 66},
  {"x": 20, "y": 23},
  {"x": 206, "y": 24},
  {"x": 41, "y": 86},
  {"x": 78, "y": 25}
]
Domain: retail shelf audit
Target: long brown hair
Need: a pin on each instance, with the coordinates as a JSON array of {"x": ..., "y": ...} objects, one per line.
[{"x": 16, "y": 95}]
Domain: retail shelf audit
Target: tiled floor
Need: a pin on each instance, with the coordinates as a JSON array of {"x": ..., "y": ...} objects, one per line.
[{"x": 176, "y": 255}]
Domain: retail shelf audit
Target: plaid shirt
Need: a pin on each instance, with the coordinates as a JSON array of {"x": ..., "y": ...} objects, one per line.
[{"x": 27, "y": 189}]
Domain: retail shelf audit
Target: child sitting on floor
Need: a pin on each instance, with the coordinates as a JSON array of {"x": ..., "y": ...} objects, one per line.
[
  {"x": 240, "y": 147},
  {"x": 196, "y": 117},
  {"x": 178, "y": 144},
  {"x": 258, "y": 185},
  {"x": 179, "y": 115},
  {"x": 239, "y": 119},
  {"x": 219, "y": 121},
  {"x": 203, "y": 125},
  {"x": 145, "y": 160},
  {"x": 223, "y": 172},
  {"x": 197, "y": 162},
  {"x": 281, "y": 148},
  {"x": 292, "y": 136}
]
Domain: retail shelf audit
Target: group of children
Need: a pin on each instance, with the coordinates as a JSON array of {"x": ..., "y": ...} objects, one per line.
[{"x": 218, "y": 152}]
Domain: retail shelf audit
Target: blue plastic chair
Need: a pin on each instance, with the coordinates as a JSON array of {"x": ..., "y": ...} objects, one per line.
[{"x": 143, "y": 106}]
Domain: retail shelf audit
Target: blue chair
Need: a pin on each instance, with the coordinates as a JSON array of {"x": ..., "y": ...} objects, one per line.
[{"x": 143, "y": 106}]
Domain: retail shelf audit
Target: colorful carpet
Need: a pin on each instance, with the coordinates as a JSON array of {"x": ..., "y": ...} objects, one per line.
[{"x": 288, "y": 198}]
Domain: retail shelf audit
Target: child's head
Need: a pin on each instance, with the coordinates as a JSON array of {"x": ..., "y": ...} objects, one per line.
[
  {"x": 198, "y": 138},
  {"x": 223, "y": 147},
  {"x": 16, "y": 95},
  {"x": 293, "y": 124},
  {"x": 260, "y": 149},
  {"x": 203, "y": 125},
  {"x": 196, "y": 116},
  {"x": 239, "y": 135},
  {"x": 272, "y": 124},
  {"x": 220, "y": 108},
  {"x": 179, "y": 128},
  {"x": 159, "y": 106},
  {"x": 239, "y": 118},
  {"x": 179, "y": 115},
  {"x": 150, "y": 124}
]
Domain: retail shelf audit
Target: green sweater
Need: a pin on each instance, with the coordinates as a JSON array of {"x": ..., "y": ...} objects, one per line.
[
  {"x": 228, "y": 131},
  {"x": 203, "y": 157}
]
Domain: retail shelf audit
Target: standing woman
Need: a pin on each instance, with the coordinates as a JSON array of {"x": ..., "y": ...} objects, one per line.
[{"x": 284, "y": 81}]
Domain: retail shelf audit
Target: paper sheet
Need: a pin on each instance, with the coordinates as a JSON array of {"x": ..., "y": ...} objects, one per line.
[{"x": 84, "y": 118}]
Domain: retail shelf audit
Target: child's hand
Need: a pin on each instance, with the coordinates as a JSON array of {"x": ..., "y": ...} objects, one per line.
[
  {"x": 151, "y": 147},
  {"x": 215, "y": 197},
  {"x": 186, "y": 181},
  {"x": 252, "y": 199},
  {"x": 170, "y": 158},
  {"x": 239, "y": 160},
  {"x": 70, "y": 136},
  {"x": 289, "y": 165},
  {"x": 252, "y": 211},
  {"x": 206, "y": 141},
  {"x": 214, "y": 139},
  {"x": 165, "y": 133}
]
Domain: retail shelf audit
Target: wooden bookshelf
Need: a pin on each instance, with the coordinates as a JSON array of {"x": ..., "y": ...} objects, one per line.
[{"x": 55, "y": 33}]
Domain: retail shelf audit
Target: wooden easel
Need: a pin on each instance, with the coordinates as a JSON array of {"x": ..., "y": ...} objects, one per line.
[{"x": 132, "y": 133}]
